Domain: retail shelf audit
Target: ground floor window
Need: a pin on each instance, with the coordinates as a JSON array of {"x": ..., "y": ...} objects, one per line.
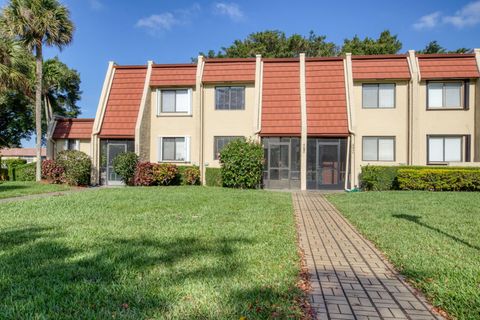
[
  {"x": 72, "y": 144},
  {"x": 282, "y": 162},
  {"x": 378, "y": 149},
  {"x": 175, "y": 149},
  {"x": 447, "y": 149},
  {"x": 109, "y": 149},
  {"x": 326, "y": 163}
]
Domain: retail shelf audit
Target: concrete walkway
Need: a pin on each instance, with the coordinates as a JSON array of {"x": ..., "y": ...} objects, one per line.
[{"x": 350, "y": 278}]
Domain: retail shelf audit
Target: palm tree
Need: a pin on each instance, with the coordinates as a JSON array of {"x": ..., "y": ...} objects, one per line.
[
  {"x": 37, "y": 23},
  {"x": 16, "y": 66}
]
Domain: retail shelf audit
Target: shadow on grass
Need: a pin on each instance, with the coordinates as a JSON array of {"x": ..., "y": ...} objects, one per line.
[
  {"x": 44, "y": 274},
  {"x": 9, "y": 187},
  {"x": 416, "y": 219}
]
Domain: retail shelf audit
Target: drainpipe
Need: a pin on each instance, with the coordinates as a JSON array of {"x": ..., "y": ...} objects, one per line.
[{"x": 347, "y": 64}]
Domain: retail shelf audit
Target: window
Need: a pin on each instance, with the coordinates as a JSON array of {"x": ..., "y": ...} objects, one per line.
[
  {"x": 229, "y": 98},
  {"x": 378, "y": 149},
  {"x": 219, "y": 143},
  {"x": 378, "y": 95},
  {"x": 174, "y": 101},
  {"x": 444, "y": 95},
  {"x": 72, "y": 144},
  {"x": 445, "y": 149},
  {"x": 174, "y": 149}
]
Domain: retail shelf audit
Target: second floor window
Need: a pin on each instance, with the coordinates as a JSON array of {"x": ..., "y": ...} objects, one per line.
[
  {"x": 175, "y": 101},
  {"x": 229, "y": 98},
  {"x": 444, "y": 95},
  {"x": 378, "y": 95}
]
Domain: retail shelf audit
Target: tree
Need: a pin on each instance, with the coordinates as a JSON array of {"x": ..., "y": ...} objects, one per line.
[
  {"x": 37, "y": 23},
  {"x": 435, "y": 47},
  {"x": 385, "y": 44},
  {"x": 16, "y": 118},
  {"x": 275, "y": 44}
]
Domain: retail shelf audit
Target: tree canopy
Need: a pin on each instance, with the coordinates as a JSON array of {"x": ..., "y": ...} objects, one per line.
[
  {"x": 276, "y": 44},
  {"x": 435, "y": 47}
]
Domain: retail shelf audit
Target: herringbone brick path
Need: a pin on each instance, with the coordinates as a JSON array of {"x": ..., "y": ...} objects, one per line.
[{"x": 350, "y": 279}]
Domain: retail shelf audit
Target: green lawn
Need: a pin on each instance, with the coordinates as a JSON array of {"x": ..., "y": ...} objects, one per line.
[
  {"x": 10, "y": 189},
  {"x": 150, "y": 253},
  {"x": 432, "y": 238}
]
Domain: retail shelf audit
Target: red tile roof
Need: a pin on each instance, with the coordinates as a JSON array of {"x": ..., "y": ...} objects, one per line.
[
  {"x": 281, "y": 98},
  {"x": 123, "y": 102},
  {"x": 380, "y": 67},
  {"x": 445, "y": 66},
  {"x": 73, "y": 129},
  {"x": 229, "y": 71},
  {"x": 22, "y": 152},
  {"x": 173, "y": 75},
  {"x": 326, "y": 98}
]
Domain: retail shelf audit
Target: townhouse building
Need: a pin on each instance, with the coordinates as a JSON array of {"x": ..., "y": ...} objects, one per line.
[{"x": 319, "y": 119}]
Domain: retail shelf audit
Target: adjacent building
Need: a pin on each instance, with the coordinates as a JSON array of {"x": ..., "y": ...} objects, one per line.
[{"x": 319, "y": 119}]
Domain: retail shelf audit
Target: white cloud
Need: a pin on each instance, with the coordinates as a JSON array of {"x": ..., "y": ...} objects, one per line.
[
  {"x": 231, "y": 10},
  {"x": 467, "y": 16},
  {"x": 158, "y": 23},
  {"x": 428, "y": 21},
  {"x": 96, "y": 5}
]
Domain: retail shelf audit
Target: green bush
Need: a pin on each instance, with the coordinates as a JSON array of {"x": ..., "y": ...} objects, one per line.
[
  {"x": 242, "y": 164},
  {"x": 191, "y": 176},
  {"x": 165, "y": 173},
  {"x": 124, "y": 165},
  {"x": 77, "y": 167},
  {"x": 3, "y": 174},
  {"x": 380, "y": 178},
  {"x": 439, "y": 179},
  {"x": 10, "y": 165},
  {"x": 25, "y": 172},
  {"x": 213, "y": 177}
]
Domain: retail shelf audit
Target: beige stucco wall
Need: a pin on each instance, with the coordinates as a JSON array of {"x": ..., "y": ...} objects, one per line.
[
  {"x": 226, "y": 122},
  {"x": 84, "y": 146},
  {"x": 382, "y": 122},
  {"x": 442, "y": 122},
  {"x": 174, "y": 126}
]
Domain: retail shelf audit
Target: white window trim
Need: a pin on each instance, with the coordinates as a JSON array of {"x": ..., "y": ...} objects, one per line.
[
  {"x": 160, "y": 149},
  {"x": 378, "y": 138},
  {"x": 173, "y": 114},
  {"x": 443, "y": 107}
]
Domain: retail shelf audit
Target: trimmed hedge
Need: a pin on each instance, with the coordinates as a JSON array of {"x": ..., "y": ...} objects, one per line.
[
  {"x": 381, "y": 178},
  {"x": 439, "y": 179},
  {"x": 25, "y": 172},
  {"x": 213, "y": 177},
  {"x": 11, "y": 164}
]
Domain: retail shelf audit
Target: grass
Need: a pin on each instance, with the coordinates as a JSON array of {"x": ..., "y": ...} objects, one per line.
[
  {"x": 11, "y": 189},
  {"x": 150, "y": 253},
  {"x": 432, "y": 238}
]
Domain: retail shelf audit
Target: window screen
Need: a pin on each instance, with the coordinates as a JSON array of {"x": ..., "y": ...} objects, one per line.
[
  {"x": 444, "y": 95},
  {"x": 230, "y": 98},
  {"x": 175, "y": 101},
  {"x": 444, "y": 149}
]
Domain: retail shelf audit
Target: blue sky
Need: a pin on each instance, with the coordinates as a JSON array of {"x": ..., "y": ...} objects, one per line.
[{"x": 132, "y": 32}]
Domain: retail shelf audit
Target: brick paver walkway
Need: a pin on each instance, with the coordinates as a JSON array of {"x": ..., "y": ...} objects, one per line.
[{"x": 350, "y": 279}]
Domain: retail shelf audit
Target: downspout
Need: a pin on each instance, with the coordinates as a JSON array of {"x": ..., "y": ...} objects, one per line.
[
  {"x": 347, "y": 64},
  {"x": 97, "y": 124}
]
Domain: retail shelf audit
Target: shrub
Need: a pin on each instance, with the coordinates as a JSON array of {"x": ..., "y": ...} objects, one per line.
[
  {"x": 124, "y": 165},
  {"x": 242, "y": 164},
  {"x": 439, "y": 179},
  {"x": 77, "y": 167},
  {"x": 165, "y": 173},
  {"x": 10, "y": 164},
  {"x": 144, "y": 174},
  {"x": 3, "y": 174},
  {"x": 191, "y": 176},
  {"x": 25, "y": 172},
  {"x": 213, "y": 177},
  {"x": 53, "y": 172}
]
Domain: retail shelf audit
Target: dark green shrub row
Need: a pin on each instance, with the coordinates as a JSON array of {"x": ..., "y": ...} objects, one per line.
[
  {"x": 25, "y": 172},
  {"x": 242, "y": 164},
  {"x": 439, "y": 179},
  {"x": 213, "y": 177},
  {"x": 380, "y": 178},
  {"x": 10, "y": 165}
]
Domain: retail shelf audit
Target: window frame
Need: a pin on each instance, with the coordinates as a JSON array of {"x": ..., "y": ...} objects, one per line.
[
  {"x": 67, "y": 144},
  {"x": 377, "y": 84},
  {"x": 230, "y": 98},
  {"x": 186, "y": 149},
  {"x": 159, "y": 99},
  {"x": 378, "y": 138},
  {"x": 464, "y": 95},
  {"x": 215, "y": 153},
  {"x": 465, "y": 145}
]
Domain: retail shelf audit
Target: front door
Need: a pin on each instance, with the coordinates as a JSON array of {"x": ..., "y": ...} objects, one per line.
[
  {"x": 113, "y": 150},
  {"x": 328, "y": 165},
  {"x": 279, "y": 165}
]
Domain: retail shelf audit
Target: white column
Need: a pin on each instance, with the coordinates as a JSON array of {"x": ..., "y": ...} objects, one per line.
[{"x": 303, "y": 140}]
